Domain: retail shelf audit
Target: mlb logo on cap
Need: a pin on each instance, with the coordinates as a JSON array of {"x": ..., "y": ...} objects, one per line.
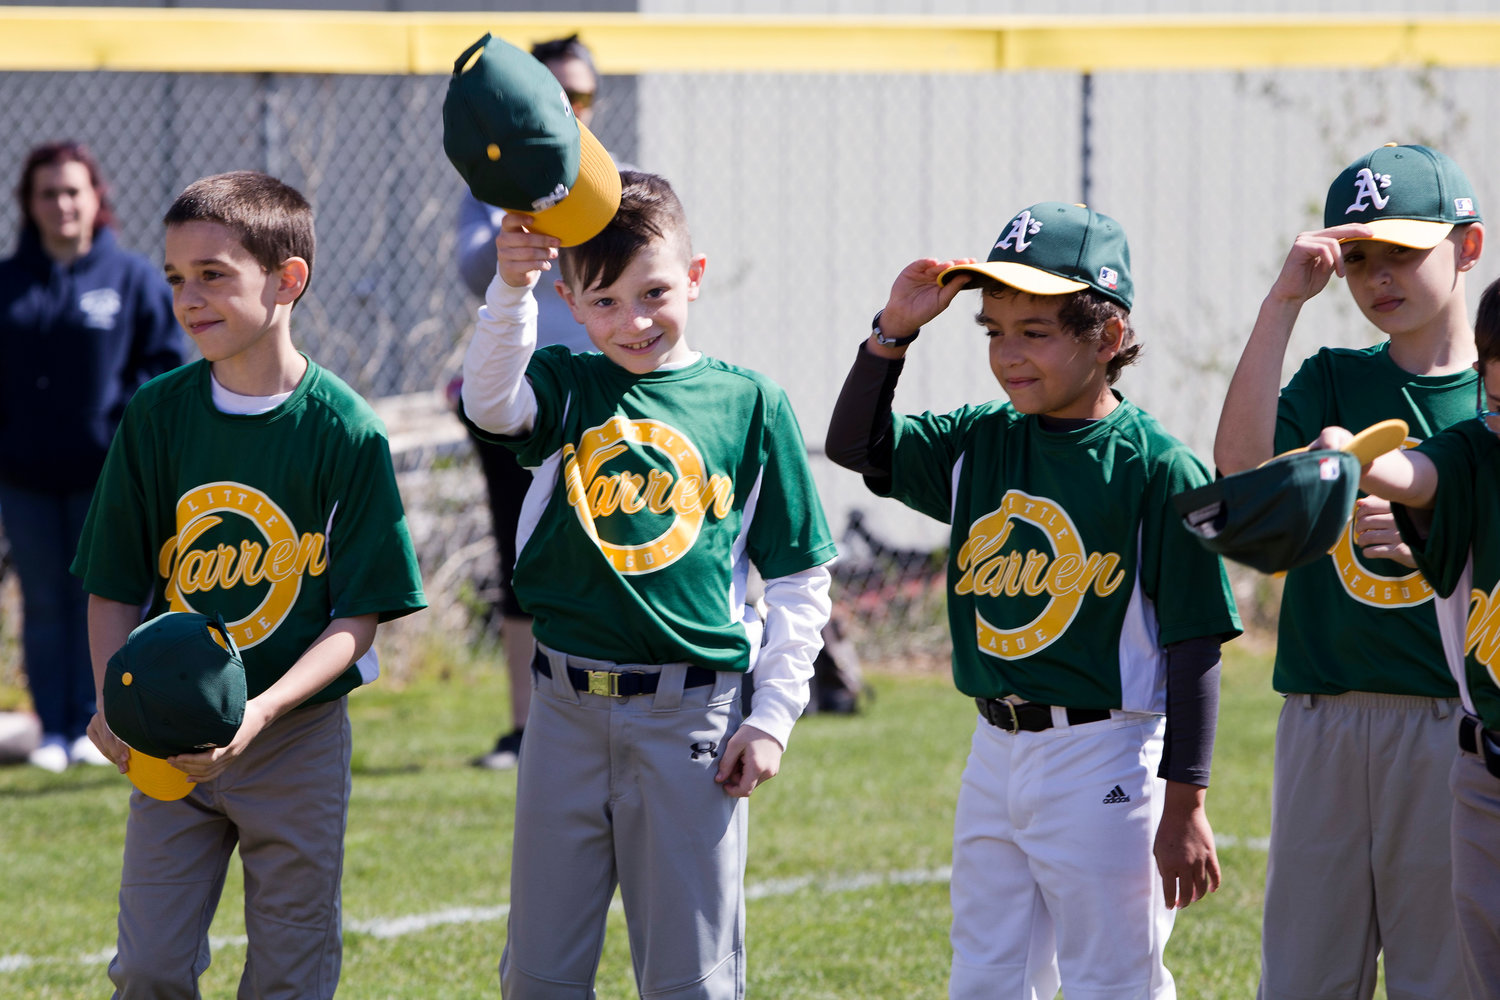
[
  {"x": 1109, "y": 277},
  {"x": 177, "y": 686}
]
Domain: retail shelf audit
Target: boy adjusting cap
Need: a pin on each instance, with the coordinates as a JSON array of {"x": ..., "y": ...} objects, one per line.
[
  {"x": 1053, "y": 248},
  {"x": 510, "y": 131},
  {"x": 1412, "y": 196},
  {"x": 176, "y": 686}
]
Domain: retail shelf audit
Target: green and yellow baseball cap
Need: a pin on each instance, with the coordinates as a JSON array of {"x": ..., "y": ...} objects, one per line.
[
  {"x": 510, "y": 131},
  {"x": 1053, "y": 248},
  {"x": 1409, "y": 195},
  {"x": 1289, "y": 511},
  {"x": 176, "y": 686}
]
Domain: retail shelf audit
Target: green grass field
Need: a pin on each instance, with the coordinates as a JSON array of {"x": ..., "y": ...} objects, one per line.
[{"x": 848, "y": 852}]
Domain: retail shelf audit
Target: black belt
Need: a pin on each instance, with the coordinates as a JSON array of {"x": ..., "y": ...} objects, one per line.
[
  {"x": 1029, "y": 717},
  {"x": 1474, "y": 738},
  {"x": 621, "y": 683}
]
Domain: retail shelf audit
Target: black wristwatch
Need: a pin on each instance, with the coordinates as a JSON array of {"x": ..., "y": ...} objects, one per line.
[{"x": 883, "y": 340}]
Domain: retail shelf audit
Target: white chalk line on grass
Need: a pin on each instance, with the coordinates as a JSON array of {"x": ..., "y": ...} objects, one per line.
[{"x": 395, "y": 927}]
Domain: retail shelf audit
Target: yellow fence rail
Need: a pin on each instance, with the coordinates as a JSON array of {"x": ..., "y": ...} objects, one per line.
[{"x": 178, "y": 40}]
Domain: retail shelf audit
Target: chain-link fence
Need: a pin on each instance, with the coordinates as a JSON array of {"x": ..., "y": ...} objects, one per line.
[{"x": 808, "y": 192}]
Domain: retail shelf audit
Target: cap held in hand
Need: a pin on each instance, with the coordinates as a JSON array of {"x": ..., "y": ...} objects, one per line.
[
  {"x": 510, "y": 131},
  {"x": 177, "y": 686},
  {"x": 1289, "y": 511}
]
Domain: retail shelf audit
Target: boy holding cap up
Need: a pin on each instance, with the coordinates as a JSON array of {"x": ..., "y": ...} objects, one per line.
[
  {"x": 257, "y": 487},
  {"x": 1086, "y": 621},
  {"x": 1359, "y": 857}
]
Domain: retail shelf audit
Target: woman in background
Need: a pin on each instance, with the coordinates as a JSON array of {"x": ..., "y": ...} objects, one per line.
[{"x": 83, "y": 324}]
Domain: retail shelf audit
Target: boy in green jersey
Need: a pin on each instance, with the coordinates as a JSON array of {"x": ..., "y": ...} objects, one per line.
[
  {"x": 1086, "y": 622},
  {"x": 1445, "y": 491},
  {"x": 1359, "y": 857},
  {"x": 256, "y": 486},
  {"x": 660, "y": 475}
]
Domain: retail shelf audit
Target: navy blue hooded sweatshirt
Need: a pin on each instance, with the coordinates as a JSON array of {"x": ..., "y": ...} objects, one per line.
[{"x": 76, "y": 341}]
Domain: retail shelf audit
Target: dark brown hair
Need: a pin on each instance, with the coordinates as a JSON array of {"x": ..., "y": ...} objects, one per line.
[
  {"x": 1083, "y": 314},
  {"x": 270, "y": 219},
  {"x": 649, "y": 210},
  {"x": 1487, "y": 324},
  {"x": 55, "y": 154}
]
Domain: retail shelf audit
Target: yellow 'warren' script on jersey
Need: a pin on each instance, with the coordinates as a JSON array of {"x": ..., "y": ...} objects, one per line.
[
  {"x": 687, "y": 493},
  {"x": 1066, "y": 575},
  {"x": 280, "y": 559}
]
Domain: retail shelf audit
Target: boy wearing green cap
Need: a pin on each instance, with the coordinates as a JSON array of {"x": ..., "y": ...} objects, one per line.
[
  {"x": 1444, "y": 493},
  {"x": 256, "y": 486},
  {"x": 1359, "y": 856},
  {"x": 660, "y": 476},
  {"x": 1086, "y": 621}
]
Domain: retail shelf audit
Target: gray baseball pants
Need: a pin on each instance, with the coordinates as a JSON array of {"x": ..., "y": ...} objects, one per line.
[
  {"x": 285, "y": 802},
  {"x": 621, "y": 791}
]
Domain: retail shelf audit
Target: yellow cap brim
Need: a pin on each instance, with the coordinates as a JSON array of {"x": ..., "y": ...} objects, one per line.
[
  {"x": 1019, "y": 276},
  {"x": 1414, "y": 233},
  {"x": 591, "y": 202},
  {"x": 158, "y": 779},
  {"x": 1370, "y": 443}
]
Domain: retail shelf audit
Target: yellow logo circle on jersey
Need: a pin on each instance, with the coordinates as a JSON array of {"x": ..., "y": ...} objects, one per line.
[
  {"x": 280, "y": 559},
  {"x": 1404, "y": 590},
  {"x": 685, "y": 492},
  {"x": 1066, "y": 575}
]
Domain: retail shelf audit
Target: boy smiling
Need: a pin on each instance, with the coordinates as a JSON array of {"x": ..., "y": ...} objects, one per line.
[
  {"x": 661, "y": 475},
  {"x": 1086, "y": 623}
]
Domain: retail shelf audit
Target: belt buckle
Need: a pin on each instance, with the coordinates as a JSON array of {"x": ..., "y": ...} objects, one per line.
[{"x": 604, "y": 682}]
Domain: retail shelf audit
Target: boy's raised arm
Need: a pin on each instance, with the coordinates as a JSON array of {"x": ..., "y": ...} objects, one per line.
[{"x": 1247, "y": 423}]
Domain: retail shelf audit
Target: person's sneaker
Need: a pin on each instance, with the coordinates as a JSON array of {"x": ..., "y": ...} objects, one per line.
[
  {"x": 506, "y": 755},
  {"x": 83, "y": 751},
  {"x": 52, "y": 755}
]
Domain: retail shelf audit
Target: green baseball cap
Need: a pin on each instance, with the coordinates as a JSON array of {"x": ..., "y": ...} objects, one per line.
[
  {"x": 1279, "y": 516},
  {"x": 510, "y": 131},
  {"x": 176, "y": 686},
  {"x": 1053, "y": 248},
  {"x": 1409, "y": 195}
]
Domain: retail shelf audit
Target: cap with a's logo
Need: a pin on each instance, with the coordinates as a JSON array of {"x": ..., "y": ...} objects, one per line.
[
  {"x": 1053, "y": 248},
  {"x": 177, "y": 686},
  {"x": 510, "y": 131},
  {"x": 1409, "y": 195}
]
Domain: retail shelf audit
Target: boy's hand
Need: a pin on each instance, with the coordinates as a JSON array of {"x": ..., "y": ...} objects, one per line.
[
  {"x": 522, "y": 255},
  {"x": 108, "y": 743},
  {"x": 916, "y": 297},
  {"x": 1184, "y": 847},
  {"x": 1315, "y": 257},
  {"x": 751, "y": 757},
  {"x": 211, "y": 763},
  {"x": 1376, "y": 533},
  {"x": 1331, "y": 439}
]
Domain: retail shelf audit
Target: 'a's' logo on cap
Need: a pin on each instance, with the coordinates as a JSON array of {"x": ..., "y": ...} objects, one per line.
[
  {"x": 1463, "y": 206},
  {"x": 1109, "y": 277},
  {"x": 1367, "y": 188},
  {"x": 1015, "y": 237}
]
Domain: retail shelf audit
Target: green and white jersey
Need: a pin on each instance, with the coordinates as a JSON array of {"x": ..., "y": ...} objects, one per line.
[
  {"x": 652, "y": 495},
  {"x": 1068, "y": 571},
  {"x": 1460, "y": 556},
  {"x": 1350, "y": 623},
  {"x": 279, "y": 521}
]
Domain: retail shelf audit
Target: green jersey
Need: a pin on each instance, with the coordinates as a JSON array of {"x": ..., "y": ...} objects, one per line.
[
  {"x": 1348, "y": 622},
  {"x": 1068, "y": 572},
  {"x": 1460, "y": 556},
  {"x": 652, "y": 495},
  {"x": 279, "y": 521}
]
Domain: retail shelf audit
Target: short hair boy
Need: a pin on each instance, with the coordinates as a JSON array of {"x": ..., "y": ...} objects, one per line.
[
  {"x": 1359, "y": 856},
  {"x": 661, "y": 474},
  {"x": 257, "y": 486},
  {"x": 1086, "y": 622},
  {"x": 1445, "y": 493}
]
